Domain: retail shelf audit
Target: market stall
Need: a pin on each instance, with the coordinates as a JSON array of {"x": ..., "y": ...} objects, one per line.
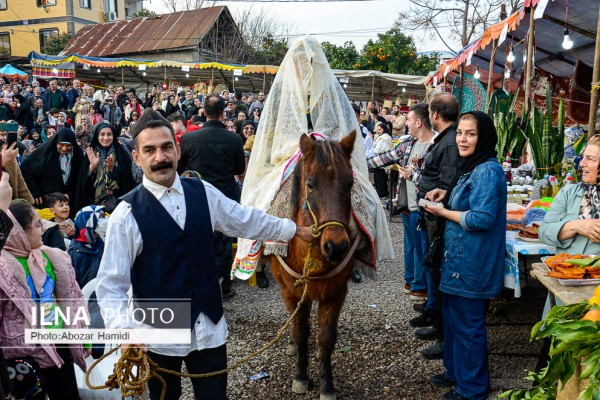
[
  {"x": 543, "y": 43},
  {"x": 360, "y": 86}
]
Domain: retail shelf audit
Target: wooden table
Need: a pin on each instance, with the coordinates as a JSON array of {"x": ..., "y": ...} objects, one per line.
[{"x": 567, "y": 295}]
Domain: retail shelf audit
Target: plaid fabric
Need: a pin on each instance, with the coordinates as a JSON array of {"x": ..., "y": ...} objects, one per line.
[{"x": 398, "y": 155}]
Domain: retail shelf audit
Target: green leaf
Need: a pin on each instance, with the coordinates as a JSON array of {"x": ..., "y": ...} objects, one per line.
[{"x": 344, "y": 349}]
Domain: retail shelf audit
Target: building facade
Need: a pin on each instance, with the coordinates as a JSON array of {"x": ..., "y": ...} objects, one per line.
[{"x": 27, "y": 27}]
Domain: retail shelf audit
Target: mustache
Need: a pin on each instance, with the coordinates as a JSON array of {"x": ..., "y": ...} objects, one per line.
[{"x": 161, "y": 165}]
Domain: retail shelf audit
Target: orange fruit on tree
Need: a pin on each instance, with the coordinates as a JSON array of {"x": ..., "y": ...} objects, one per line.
[
  {"x": 592, "y": 315},
  {"x": 597, "y": 291}
]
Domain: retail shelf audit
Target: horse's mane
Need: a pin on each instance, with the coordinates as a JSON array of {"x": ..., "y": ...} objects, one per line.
[{"x": 327, "y": 155}]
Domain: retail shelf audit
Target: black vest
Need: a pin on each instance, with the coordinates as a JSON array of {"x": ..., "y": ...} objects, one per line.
[{"x": 176, "y": 263}]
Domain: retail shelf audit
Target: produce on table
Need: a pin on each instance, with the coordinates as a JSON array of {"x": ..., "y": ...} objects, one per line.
[
  {"x": 569, "y": 266},
  {"x": 575, "y": 334}
]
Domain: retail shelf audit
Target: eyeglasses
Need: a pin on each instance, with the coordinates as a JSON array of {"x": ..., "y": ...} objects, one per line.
[{"x": 248, "y": 128}]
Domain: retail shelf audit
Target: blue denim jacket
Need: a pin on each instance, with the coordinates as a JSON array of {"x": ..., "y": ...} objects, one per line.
[{"x": 474, "y": 250}]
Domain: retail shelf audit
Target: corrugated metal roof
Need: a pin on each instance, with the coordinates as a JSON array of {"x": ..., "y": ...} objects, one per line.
[{"x": 168, "y": 31}]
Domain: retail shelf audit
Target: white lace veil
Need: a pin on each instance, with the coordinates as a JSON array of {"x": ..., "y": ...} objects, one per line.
[{"x": 304, "y": 83}]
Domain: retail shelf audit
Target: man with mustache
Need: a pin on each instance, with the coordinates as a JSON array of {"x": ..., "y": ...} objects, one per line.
[
  {"x": 217, "y": 155},
  {"x": 159, "y": 242}
]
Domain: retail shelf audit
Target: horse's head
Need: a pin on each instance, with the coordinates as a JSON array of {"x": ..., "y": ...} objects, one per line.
[{"x": 326, "y": 181}]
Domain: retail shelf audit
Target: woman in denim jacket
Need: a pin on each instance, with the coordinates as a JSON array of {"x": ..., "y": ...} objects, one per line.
[{"x": 473, "y": 263}]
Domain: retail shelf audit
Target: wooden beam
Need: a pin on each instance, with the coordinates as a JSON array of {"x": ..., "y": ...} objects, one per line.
[
  {"x": 529, "y": 66},
  {"x": 490, "y": 85},
  {"x": 595, "y": 78},
  {"x": 591, "y": 35}
]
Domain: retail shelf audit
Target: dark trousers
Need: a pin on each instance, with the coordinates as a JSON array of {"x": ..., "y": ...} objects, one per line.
[
  {"x": 196, "y": 362},
  {"x": 60, "y": 383},
  {"x": 465, "y": 345},
  {"x": 224, "y": 258},
  {"x": 434, "y": 297},
  {"x": 380, "y": 178}
]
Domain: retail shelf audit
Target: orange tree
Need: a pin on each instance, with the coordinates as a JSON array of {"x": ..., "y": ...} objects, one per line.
[
  {"x": 341, "y": 57},
  {"x": 396, "y": 53}
]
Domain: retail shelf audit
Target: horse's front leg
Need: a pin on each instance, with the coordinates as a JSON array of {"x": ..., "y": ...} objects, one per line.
[
  {"x": 329, "y": 313},
  {"x": 300, "y": 330}
]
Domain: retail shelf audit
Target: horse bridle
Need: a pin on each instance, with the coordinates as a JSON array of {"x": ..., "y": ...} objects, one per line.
[{"x": 316, "y": 231}]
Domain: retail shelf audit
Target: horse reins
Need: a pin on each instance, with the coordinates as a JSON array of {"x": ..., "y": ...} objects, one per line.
[{"x": 317, "y": 231}]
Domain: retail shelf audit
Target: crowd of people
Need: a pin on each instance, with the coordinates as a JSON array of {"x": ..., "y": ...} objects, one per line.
[
  {"x": 83, "y": 153},
  {"x": 72, "y": 155},
  {"x": 451, "y": 196}
]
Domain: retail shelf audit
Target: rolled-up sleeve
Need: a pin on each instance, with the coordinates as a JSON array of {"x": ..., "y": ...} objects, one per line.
[
  {"x": 236, "y": 220},
  {"x": 554, "y": 220}
]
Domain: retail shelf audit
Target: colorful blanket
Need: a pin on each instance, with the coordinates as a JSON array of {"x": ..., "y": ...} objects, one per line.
[{"x": 283, "y": 207}]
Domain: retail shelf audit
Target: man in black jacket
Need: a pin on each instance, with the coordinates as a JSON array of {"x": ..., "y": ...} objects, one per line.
[
  {"x": 440, "y": 165},
  {"x": 217, "y": 155}
]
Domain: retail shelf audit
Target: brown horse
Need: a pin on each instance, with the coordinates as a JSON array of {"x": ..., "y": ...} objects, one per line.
[{"x": 323, "y": 181}]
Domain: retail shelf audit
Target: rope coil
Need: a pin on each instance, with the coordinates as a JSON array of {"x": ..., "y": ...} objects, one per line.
[{"x": 135, "y": 383}]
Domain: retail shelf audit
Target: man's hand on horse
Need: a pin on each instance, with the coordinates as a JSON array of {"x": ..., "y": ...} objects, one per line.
[{"x": 303, "y": 232}]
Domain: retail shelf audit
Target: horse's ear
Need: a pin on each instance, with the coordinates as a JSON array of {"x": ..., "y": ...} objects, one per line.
[
  {"x": 307, "y": 146},
  {"x": 347, "y": 143}
]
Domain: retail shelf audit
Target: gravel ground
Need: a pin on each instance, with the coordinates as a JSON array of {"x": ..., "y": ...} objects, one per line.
[{"x": 383, "y": 361}]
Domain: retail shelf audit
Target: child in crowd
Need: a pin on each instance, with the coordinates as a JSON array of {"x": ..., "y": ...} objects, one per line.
[
  {"x": 58, "y": 203},
  {"x": 53, "y": 117}
]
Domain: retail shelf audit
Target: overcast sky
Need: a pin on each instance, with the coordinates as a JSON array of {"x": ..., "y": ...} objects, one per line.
[{"x": 333, "y": 21}]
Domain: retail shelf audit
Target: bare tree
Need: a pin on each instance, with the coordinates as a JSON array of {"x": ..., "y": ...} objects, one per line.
[
  {"x": 457, "y": 20},
  {"x": 185, "y": 5},
  {"x": 257, "y": 38}
]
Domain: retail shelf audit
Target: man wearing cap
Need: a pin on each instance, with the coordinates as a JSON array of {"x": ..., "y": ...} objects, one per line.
[
  {"x": 231, "y": 111},
  {"x": 217, "y": 155},
  {"x": 160, "y": 243}
]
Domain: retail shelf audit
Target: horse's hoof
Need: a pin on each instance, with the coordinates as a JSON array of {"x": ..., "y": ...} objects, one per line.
[
  {"x": 328, "y": 396},
  {"x": 299, "y": 387},
  {"x": 291, "y": 350}
]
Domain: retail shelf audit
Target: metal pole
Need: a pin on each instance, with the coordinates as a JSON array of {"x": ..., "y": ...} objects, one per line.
[
  {"x": 529, "y": 70},
  {"x": 264, "y": 81},
  {"x": 122, "y": 77},
  {"x": 460, "y": 87},
  {"x": 373, "y": 88},
  {"x": 595, "y": 78},
  {"x": 491, "y": 77}
]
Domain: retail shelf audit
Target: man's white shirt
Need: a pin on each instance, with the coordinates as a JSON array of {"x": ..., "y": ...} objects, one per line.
[{"x": 124, "y": 243}]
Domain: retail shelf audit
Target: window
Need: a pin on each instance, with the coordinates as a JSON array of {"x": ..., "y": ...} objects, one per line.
[
  {"x": 46, "y": 35},
  {"x": 45, "y": 3},
  {"x": 3, "y": 4},
  {"x": 4, "y": 42},
  {"x": 85, "y": 4}
]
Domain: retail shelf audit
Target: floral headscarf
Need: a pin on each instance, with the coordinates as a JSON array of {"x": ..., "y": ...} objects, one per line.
[
  {"x": 18, "y": 245},
  {"x": 86, "y": 222}
]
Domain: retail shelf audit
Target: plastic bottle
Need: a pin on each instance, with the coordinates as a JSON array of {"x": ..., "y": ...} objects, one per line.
[
  {"x": 568, "y": 180},
  {"x": 507, "y": 167},
  {"x": 545, "y": 188},
  {"x": 554, "y": 186}
]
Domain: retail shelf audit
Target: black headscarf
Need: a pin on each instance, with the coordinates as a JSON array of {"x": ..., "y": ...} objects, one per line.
[
  {"x": 84, "y": 196},
  {"x": 487, "y": 138},
  {"x": 41, "y": 169},
  {"x": 243, "y": 125}
]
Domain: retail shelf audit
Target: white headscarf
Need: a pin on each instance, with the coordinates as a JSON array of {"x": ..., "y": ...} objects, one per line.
[{"x": 305, "y": 83}]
